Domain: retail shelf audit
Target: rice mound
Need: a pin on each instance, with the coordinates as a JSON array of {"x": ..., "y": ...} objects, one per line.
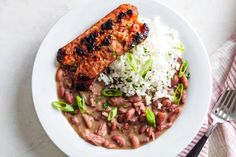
[{"x": 161, "y": 51}]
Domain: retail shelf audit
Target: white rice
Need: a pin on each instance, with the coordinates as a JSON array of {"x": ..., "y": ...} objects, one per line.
[{"x": 163, "y": 47}]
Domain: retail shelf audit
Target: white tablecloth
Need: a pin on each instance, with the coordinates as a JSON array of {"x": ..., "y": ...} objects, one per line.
[{"x": 23, "y": 25}]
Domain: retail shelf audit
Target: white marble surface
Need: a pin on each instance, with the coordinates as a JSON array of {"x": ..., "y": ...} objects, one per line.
[{"x": 23, "y": 25}]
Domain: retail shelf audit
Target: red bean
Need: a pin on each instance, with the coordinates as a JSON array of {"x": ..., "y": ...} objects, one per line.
[
  {"x": 134, "y": 98},
  {"x": 123, "y": 110},
  {"x": 142, "y": 117},
  {"x": 97, "y": 117},
  {"x": 155, "y": 103},
  {"x": 88, "y": 120},
  {"x": 171, "y": 108},
  {"x": 93, "y": 138},
  {"x": 107, "y": 144},
  {"x": 133, "y": 120},
  {"x": 169, "y": 125},
  {"x": 157, "y": 133},
  {"x": 68, "y": 97},
  {"x": 126, "y": 126},
  {"x": 92, "y": 101},
  {"x": 142, "y": 129},
  {"x": 166, "y": 102},
  {"x": 139, "y": 107},
  {"x": 174, "y": 80},
  {"x": 160, "y": 117},
  {"x": 102, "y": 129},
  {"x": 117, "y": 101},
  {"x": 105, "y": 114},
  {"x": 184, "y": 97},
  {"x": 113, "y": 125},
  {"x": 119, "y": 140},
  {"x": 120, "y": 118},
  {"x": 67, "y": 83},
  {"x": 59, "y": 74},
  {"x": 145, "y": 140},
  {"x": 130, "y": 113},
  {"x": 61, "y": 91},
  {"x": 134, "y": 141},
  {"x": 184, "y": 80},
  {"x": 172, "y": 116},
  {"x": 178, "y": 110},
  {"x": 74, "y": 120},
  {"x": 150, "y": 133},
  {"x": 162, "y": 127},
  {"x": 67, "y": 114}
]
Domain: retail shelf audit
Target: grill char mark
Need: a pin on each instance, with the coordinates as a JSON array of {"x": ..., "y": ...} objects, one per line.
[
  {"x": 90, "y": 53},
  {"x": 106, "y": 41},
  {"x": 107, "y": 25},
  {"x": 121, "y": 15},
  {"x": 89, "y": 41},
  {"x": 60, "y": 55}
]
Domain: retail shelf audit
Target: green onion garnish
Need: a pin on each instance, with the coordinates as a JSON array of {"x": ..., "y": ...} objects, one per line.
[
  {"x": 129, "y": 79},
  {"x": 105, "y": 105},
  {"x": 113, "y": 53},
  {"x": 183, "y": 68},
  {"x": 60, "y": 105},
  {"x": 180, "y": 46},
  {"x": 188, "y": 75},
  {"x": 150, "y": 117},
  {"x": 112, "y": 114},
  {"x": 81, "y": 103},
  {"x": 145, "y": 49},
  {"x": 146, "y": 67},
  {"x": 111, "y": 92},
  {"x": 178, "y": 93},
  {"x": 125, "y": 105},
  {"x": 131, "y": 61}
]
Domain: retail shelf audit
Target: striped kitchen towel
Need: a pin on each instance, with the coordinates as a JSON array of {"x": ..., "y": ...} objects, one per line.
[{"x": 222, "y": 142}]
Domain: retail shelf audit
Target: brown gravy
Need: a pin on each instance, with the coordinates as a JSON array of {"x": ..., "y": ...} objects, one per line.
[{"x": 129, "y": 128}]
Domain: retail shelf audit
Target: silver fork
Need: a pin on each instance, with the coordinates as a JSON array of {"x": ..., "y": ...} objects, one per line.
[{"x": 220, "y": 113}]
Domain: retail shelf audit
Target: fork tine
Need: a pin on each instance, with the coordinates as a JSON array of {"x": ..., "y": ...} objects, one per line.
[
  {"x": 218, "y": 101},
  {"x": 231, "y": 101},
  {"x": 230, "y": 108},
  {"x": 227, "y": 101},
  {"x": 222, "y": 102}
]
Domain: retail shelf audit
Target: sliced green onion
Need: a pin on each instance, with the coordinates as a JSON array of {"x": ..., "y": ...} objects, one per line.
[
  {"x": 111, "y": 92},
  {"x": 183, "y": 68},
  {"x": 135, "y": 86},
  {"x": 145, "y": 49},
  {"x": 146, "y": 67},
  {"x": 180, "y": 46},
  {"x": 150, "y": 117},
  {"x": 131, "y": 61},
  {"x": 81, "y": 103},
  {"x": 105, "y": 105},
  {"x": 129, "y": 79},
  {"x": 113, "y": 53},
  {"x": 125, "y": 105},
  {"x": 60, "y": 105},
  {"x": 112, "y": 114},
  {"x": 188, "y": 75},
  {"x": 178, "y": 93}
]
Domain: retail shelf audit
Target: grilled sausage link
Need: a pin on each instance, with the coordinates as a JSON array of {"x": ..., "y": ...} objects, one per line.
[{"x": 90, "y": 53}]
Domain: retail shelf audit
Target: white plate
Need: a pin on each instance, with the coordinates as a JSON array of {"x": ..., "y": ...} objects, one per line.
[{"x": 73, "y": 24}]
